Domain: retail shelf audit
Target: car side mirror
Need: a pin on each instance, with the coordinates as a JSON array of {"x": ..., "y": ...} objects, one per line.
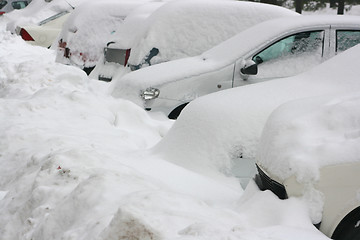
[{"x": 249, "y": 68}]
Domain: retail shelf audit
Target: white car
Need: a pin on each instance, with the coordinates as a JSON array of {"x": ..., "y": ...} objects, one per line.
[
  {"x": 310, "y": 149},
  {"x": 45, "y": 32},
  {"x": 9, "y": 5},
  {"x": 181, "y": 29},
  {"x": 276, "y": 48},
  {"x": 85, "y": 33},
  {"x": 222, "y": 130}
]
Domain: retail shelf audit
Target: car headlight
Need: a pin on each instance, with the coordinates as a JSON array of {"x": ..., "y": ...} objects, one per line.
[{"x": 150, "y": 93}]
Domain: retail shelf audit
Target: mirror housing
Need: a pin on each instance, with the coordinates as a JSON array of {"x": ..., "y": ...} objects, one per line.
[{"x": 249, "y": 68}]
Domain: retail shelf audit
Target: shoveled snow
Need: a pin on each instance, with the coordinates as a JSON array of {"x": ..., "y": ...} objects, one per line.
[{"x": 77, "y": 164}]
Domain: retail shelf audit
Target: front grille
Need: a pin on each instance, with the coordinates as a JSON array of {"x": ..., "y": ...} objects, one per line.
[{"x": 264, "y": 182}]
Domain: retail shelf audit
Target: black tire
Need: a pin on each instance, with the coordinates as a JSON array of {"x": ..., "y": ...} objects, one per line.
[
  {"x": 176, "y": 112},
  {"x": 349, "y": 227}
]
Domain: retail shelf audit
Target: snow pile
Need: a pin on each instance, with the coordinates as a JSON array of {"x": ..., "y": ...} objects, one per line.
[
  {"x": 199, "y": 26},
  {"x": 76, "y": 165},
  {"x": 306, "y": 135}
]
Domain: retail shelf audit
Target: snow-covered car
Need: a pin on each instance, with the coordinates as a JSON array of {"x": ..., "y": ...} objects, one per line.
[
  {"x": 257, "y": 54},
  {"x": 9, "y": 5},
  {"x": 181, "y": 29},
  {"x": 45, "y": 32},
  {"x": 113, "y": 63},
  {"x": 85, "y": 33},
  {"x": 231, "y": 121},
  {"x": 310, "y": 149}
]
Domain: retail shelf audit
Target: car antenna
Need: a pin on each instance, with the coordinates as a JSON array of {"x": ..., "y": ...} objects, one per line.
[{"x": 69, "y": 4}]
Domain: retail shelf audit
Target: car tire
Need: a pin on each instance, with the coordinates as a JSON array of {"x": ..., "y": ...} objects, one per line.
[
  {"x": 349, "y": 227},
  {"x": 176, "y": 112}
]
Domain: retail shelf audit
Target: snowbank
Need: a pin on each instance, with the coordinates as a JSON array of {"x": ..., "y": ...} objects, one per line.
[{"x": 75, "y": 165}]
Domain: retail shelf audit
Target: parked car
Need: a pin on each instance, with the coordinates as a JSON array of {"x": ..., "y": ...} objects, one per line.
[
  {"x": 113, "y": 62},
  {"x": 257, "y": 54},
  {"x": 231, "y": 121},
  {"x": 181, "y": 29},
  {"x": 85, "y": 33},
  {"x": 310, "y": 149},
  {"x": 45, "y": 32},
  {"x": 9, "y": 5}
]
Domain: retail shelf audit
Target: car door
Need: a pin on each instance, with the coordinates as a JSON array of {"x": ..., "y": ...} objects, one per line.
[{"x": 287, "y": 56}]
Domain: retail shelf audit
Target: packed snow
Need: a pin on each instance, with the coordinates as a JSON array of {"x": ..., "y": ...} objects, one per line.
[
  {"x": 79, "y": 164},
  {"x": 319, "y": 131}
]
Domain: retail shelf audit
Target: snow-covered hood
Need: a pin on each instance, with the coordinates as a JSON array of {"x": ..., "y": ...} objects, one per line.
[
  {"x": 231, "y": 121},
  {"x": 200, "y": 25},
  {"x": 302, "y": 136}
]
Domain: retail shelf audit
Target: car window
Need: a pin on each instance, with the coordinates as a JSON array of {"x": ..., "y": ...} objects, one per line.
[
  {"x": 289, "y": 56},
  {"x": 297, "y": 44},
  {"x": 2, "y": 4},
  {"x": 346, "y": 39},
  {"x": 19, "y": 4}
]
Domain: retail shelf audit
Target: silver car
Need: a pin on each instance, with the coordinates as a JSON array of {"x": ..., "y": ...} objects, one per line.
[{"x": 276, "y": 48}]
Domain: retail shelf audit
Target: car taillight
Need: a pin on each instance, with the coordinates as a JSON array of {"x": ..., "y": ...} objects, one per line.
[
  {"x": 127, "y": 55},
  {"x": 1, "y": 13},
  {"x": 25, "y": 35}
]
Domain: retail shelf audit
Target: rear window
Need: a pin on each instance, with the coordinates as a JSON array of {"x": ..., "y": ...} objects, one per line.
[{"x": 346, "y": 39}]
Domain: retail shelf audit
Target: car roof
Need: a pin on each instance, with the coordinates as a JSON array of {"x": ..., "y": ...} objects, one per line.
[{"x": 267, "y": 30}]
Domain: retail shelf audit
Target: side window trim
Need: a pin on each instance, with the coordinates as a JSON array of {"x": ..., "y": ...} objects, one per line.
[{"x": 293, "y": 34}]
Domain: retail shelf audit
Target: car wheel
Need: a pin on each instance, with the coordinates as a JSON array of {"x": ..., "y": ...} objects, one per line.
[
  {"x": 349, "y": 227},
  {"x": 176, "y": 112}
]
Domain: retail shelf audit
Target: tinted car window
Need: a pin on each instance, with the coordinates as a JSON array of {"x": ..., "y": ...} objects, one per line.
[
  {"x": 297, "y": 44},
  {"x": 2, "y": 4},
  {"x": 346, "y": 39},
  {"x": 19, "y": 4}
]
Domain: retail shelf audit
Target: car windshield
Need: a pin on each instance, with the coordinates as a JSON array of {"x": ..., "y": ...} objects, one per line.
[{"x": 52, "y": 18}]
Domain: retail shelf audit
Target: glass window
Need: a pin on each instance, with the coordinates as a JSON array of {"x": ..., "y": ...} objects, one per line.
[
  {"x": 19, "y": 4},
  {"x": 2, "y": 4},
  {"x": 297, "y": 44},
  {"x": 346, "y": 39},
  {"x": 290, "y": 56}
]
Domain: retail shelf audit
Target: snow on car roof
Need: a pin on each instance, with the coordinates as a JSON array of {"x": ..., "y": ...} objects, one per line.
[
  {"x": 225, "y": 53},
  {"x": 304, "y": 135},
  {"x": 231, "y": 121},
  {"x": 200, "y": 25},
  {"x": 133, "y": 26}
]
